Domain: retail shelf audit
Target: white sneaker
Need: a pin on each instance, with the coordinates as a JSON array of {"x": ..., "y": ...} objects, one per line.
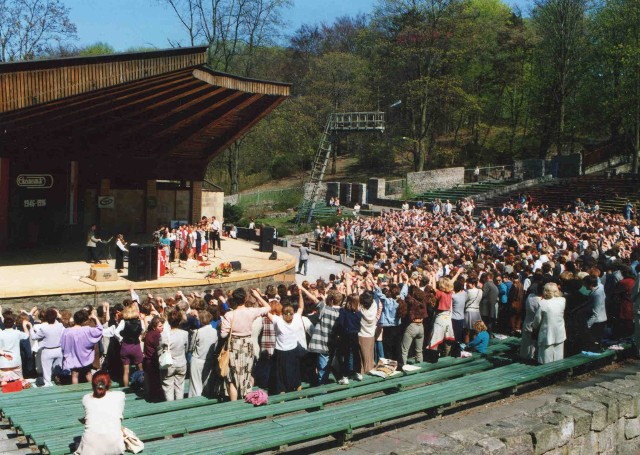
[
  {"x": 344, "y": 381},
  {"x": 358, "y": 377}
]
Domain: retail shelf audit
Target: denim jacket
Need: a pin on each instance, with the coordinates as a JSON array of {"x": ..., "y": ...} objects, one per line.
[{"x": 388, "y": 318}]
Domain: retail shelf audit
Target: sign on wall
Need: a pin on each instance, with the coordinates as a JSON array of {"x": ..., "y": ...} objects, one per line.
[
  {"x": 106, "y": 202},
  {"x": 35, "y": 181}
]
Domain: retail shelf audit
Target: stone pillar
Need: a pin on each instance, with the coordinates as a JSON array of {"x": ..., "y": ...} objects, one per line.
[
  {"x": 358, "y": 193},
  {"x": 151, "y": 203},
  {"x": 4, "y": 203},
  {"x": 345, "y": 194},
  {"x": 196, "y": 201},
  {"x": 375, "y": 190}
]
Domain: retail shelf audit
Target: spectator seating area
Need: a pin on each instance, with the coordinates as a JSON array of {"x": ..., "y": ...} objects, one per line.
[
  {"x": 49, "y": 417},
  {"x": 610, "y": 192},
  {"x": 462, "y": 191}
]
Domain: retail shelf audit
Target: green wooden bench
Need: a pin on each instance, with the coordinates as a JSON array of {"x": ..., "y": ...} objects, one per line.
[
  {"x": 57, "y": 423},
  {"x": 155, "y": 425},
  {"x": 347, "y": 417}
]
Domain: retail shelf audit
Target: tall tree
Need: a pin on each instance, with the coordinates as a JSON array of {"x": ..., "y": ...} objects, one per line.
[
  {"x": 33, "y": 28},
  {"x": 415, "y": 56},
  {"x": 234, "y": 30},
  {"x": 562, "y": 28},
  {"x": 617, "y": 37}
]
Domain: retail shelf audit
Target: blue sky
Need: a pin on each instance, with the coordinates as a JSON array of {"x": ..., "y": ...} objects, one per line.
[{"x": 134, "y": 23}]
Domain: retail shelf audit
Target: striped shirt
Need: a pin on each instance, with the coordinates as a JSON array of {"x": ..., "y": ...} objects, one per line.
[
  {"x": 268, "y": 337},
  {"x": 323, "y": 330}
]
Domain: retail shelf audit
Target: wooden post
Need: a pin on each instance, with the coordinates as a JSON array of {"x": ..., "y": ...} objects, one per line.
[
  {"x": 151, "y": 203},
  {"x": 196, "y": 201},
  {"x": 4, "y": 203}
]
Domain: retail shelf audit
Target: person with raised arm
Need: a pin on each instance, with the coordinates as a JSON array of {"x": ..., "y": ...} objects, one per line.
[
  {"x": 288, "y": 352},
  {"x": 237, "y": 324}
]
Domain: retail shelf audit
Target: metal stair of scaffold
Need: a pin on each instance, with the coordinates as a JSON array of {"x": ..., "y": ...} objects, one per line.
[{"x": 337, "y": 122}]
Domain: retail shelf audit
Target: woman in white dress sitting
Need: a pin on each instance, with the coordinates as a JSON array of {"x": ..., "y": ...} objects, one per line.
[{"x": 102, "y": 419}]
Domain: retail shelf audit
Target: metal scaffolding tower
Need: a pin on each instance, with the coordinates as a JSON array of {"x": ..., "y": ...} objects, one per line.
[{"x": 337, "y": 122}]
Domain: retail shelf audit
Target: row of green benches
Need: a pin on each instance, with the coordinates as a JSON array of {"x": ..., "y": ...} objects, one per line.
[
  {"x": 51, "y": 420},
  {"x": 347, "y": 417}
]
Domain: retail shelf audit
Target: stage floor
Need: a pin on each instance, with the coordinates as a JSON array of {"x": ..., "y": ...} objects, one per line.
[{"x": 42, "y": 279}]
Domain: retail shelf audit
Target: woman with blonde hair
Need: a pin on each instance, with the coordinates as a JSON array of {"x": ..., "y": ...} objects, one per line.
[
  {"x": 130, "y": 350},
  {"x": 549, "y": 320},
  {"x": 442, "y": 326},
  {"x": 480, "y": 342}
]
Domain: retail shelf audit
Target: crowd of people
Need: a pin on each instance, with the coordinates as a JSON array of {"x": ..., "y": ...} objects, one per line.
[
  {"x": 432, "y": 282},
  {"x": 562, "y": 280}
]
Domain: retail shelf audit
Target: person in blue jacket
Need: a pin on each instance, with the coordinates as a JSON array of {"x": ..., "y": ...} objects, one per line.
[{"x": 480, "y": 342}]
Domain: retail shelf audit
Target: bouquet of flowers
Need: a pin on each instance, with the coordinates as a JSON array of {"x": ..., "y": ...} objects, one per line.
[{"x": 223, "y": 269}]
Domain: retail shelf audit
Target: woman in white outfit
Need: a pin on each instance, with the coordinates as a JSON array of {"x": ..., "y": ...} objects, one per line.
[
  {"x": 550, "y": 320},
  {"x": 203, "y": 355},
  {"x": 102, "y": 419},
  {"x": 48, "y": 334}
]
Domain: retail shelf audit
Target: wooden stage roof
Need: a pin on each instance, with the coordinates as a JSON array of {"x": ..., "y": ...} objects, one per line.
[{"x": 153, "y": 115}]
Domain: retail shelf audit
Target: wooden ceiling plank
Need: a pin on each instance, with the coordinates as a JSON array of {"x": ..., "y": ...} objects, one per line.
[
  {"x": 196, "y": 122},
  {"x": 92, "y": 111},
  {"x": 91, "y": 98}
]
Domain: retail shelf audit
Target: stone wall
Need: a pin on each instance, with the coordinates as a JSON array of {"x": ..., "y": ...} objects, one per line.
[
  {"x": 212, "y": 204},
  {"x": 74, "y": 302},
  {"x": 510, "y": 188},
  {"x": 565, "y": 166},
  {"x": 614, "y": 162},
  {"x": 529, "y": 169},
  {"x": 602, "y": 419},
  {"x": 419, "y": 182}
]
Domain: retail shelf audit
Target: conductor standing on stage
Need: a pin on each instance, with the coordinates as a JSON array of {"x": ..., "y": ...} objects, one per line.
[
  {"x": 215, "y": 230},
  {"x": 92, "y": 241}
]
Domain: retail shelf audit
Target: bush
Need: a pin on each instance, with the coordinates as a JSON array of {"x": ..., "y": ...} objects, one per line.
[
  {"x": 281, "y": 167},
  {"x": 232, "y": 213}
]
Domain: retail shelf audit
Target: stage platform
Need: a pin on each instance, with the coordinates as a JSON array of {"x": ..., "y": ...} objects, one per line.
[{"x": 50, "y": 278}]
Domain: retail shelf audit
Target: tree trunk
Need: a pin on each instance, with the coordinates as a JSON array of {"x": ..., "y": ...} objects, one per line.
[
  {"x": 334, "y": 157},
  {"x": 637, "y": 144},
  {"x": 233, "y": 158},
  {"x": 418, "y": 155}
]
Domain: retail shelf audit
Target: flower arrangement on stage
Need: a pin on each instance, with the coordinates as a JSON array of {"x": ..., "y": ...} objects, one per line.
[{"x": 223, "y": 269}]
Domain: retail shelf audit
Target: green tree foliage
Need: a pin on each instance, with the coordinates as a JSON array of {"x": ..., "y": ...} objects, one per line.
[
  {"x": 232, "y": 213},
  {"x": 562, "y": 26},
  {"x": 615, "y": 77},
  {"x": 470, "y": 81},
  {"x": 98, "y": 48}
]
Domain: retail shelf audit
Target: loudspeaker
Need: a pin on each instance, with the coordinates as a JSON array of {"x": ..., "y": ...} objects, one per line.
[
  {"x": 143, "y": 263},
  {"x": 266, "y": 239},
  {"x": 274, "y": 256},
  {"x": 236, "y": 265}
]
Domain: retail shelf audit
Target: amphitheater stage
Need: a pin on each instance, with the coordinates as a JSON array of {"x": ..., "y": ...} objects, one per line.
[{"x": 66, "y": 284}]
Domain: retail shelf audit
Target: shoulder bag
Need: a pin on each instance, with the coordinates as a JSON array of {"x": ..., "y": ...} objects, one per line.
[
  {"x": 223, "y": 357},
  {"x": 165, "y": 360},
  {"x": 132, "y": 443}
]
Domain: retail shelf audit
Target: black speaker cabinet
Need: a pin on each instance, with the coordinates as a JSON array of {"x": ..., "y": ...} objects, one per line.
[
  {"x": 236, "y": 265},
  {"x": 143, "y": 263},
  {"x": 266, "y": 239}
]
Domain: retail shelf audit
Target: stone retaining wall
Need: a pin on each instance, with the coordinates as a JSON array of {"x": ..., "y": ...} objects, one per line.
[
  {"x": 76, "y": 301},
  {"x": 602, "y": 419}
]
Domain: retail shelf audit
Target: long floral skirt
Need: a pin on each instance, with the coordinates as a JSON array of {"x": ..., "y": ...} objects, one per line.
[{"x": 240, "y": 365}]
